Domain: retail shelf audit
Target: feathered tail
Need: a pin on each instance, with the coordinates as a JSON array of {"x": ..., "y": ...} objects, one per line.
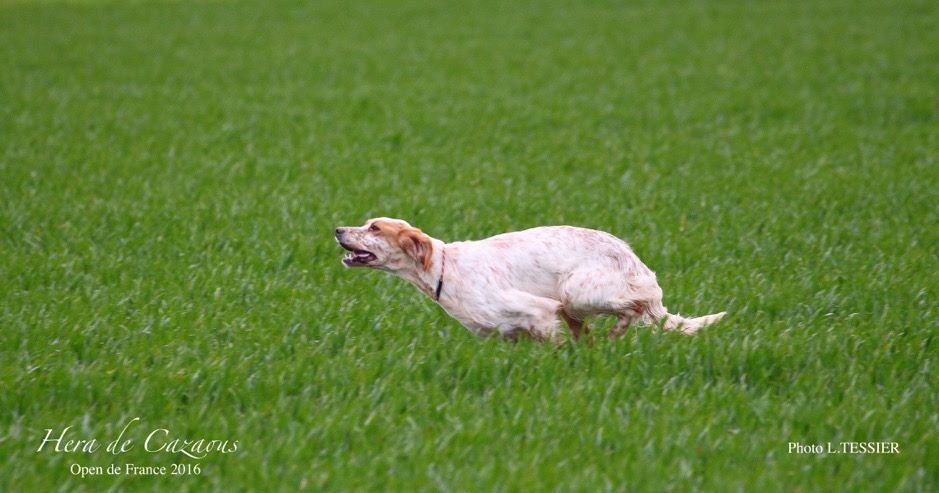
[{"x": 687, "y": 326}]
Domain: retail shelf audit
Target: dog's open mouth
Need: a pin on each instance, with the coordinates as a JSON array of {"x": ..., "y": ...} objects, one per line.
[{"x": 357, "y": 257}]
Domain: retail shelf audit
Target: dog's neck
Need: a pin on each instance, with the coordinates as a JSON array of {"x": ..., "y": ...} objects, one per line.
[{"x": 428, "y": 280}]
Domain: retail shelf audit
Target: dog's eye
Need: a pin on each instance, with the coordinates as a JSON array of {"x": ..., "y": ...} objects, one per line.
[{"x": 373, "y": 228}]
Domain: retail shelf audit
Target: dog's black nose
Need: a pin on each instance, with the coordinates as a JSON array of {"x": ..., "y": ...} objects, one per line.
[{"x": 338, "y": 232}]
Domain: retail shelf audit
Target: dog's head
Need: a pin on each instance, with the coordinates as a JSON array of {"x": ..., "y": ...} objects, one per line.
[{"x": 386, "y": 244}]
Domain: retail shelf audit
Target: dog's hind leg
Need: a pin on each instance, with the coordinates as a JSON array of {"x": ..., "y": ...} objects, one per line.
[
  {"x": 622, "y": 325},
  {"x": 633, "y": 313},
  {"x": 576, "y": 325}
]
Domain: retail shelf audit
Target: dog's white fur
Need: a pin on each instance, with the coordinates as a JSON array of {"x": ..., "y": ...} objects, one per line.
[{"x": 521, "y": 282}]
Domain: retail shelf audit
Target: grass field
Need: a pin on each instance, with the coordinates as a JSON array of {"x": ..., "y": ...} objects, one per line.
[{"x": 170, "y": 175}]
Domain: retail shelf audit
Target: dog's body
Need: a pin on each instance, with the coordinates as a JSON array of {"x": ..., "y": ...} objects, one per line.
[{"x": 520, "y": 282}]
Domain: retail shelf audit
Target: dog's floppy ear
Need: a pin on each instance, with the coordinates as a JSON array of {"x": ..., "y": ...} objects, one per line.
[{"x": 417, "y": 245}]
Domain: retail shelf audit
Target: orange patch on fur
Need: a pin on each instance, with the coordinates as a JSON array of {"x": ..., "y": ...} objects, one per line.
[{"x": 411, "y": 240}]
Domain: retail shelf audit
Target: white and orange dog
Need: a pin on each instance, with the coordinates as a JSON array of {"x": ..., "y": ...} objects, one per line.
[{"x": 517, "y": 283}]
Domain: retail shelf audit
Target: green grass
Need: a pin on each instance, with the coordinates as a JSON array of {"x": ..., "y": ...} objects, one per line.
[{"x": 170, "y": 175}]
